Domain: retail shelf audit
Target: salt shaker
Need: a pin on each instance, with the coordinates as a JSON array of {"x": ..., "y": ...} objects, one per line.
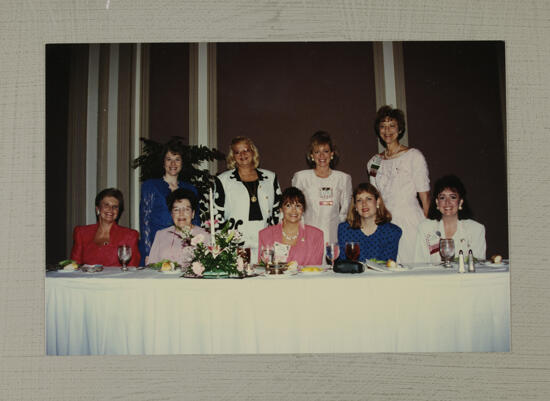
[
  {"x": 471, "y": 266},
  {"x": 461, "y": 262}
]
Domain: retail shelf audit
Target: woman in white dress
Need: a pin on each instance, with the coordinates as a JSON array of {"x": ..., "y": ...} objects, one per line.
[
  {"x": 400, "y": 173},
  {"x": 327, "y": 191},
  {"x": 449, "y": 217}
]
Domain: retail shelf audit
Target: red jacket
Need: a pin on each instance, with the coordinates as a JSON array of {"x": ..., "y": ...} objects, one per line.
[{"x": 85, "y": 250}]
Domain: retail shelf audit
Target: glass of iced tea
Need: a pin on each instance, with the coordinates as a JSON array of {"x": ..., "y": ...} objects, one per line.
[{"x": 352, "y": 250}]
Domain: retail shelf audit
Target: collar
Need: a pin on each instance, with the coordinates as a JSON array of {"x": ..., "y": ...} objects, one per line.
[{"x": 235, "y": 175}]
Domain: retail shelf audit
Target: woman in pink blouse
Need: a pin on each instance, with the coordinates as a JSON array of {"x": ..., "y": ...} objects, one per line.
[
  {"x": 174, "y": 243},
  {"x": 292, "y": 240}
]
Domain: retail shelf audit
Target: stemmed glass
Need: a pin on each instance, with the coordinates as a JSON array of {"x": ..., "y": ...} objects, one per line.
[
  {"x": 353, "y": 251},
  {"x": 333, "y": 251},
  {"x": 124, "y": 255},
  {"x": 267, "y": 254},
  {"x": 447, "y": 250}
]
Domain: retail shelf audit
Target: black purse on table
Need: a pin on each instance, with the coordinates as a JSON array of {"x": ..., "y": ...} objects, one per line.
[{"x": 348, "y": 266}]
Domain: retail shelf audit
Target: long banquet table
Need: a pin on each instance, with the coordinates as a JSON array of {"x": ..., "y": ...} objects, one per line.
[{"x": 147, "y": 312}]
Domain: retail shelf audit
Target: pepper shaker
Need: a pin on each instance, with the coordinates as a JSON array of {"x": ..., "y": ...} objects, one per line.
[
  {"x": 471, "y": 265},
  {"x": 461, "y": 262}
]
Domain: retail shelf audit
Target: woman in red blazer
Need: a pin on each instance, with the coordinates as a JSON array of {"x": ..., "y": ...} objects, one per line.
[{"x": 98, "y": 243}]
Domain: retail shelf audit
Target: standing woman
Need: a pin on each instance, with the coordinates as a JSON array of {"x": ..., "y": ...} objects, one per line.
[
  {"x": 400, "y": 174},
  {"x": 154, "y": 214},
  {"x": 245, "y": 195},
  {"x": 327, "y": 191}
]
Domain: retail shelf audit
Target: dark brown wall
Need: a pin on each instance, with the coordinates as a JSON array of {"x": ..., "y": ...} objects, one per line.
[
  {"x": 169, "y": 91},
  {"x": 279, "y": 94},
  {"x": 455, "y": 119}
]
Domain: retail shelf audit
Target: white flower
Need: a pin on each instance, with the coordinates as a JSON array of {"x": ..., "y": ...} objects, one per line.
[
  {"x": 240, "y": 264},
  {"x": 198, "y": 268},
  {"x": 215, "y": 250},
  {"x": 198, "y": 239}
]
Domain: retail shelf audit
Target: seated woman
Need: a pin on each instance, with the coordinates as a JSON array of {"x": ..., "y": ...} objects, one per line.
[
  {"x": 368, "y": 224},
  {"x": 292, "y": 240},
  {"x": 169, "y": 243},
  {"x": 98, "y": 243},
  {"x": 449, "y": 217}
]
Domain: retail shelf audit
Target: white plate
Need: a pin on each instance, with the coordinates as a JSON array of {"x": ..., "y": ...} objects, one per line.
[
  {"x": 171, "y": 272},
  {"x": 66, "y": 271},
  {"x": 313, "y": 272},
  {"x": 491, "y": 264},
  {"x": 376, "y": 266}
]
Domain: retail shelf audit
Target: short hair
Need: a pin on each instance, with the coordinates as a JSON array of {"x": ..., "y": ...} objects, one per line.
[
  {"x": 293, "y": 194},
  {"x": 452, "y": 182},
  {"x": 388, "y": 112},
  {"x": 383, "y": 215},
  {"x": 180, "y": 194},
  {"x": 231, "y": 157},
  {"x": 115, "y": 193},
  {"x": 173, "y": 146},
  {"x": 322, "y": 138}
]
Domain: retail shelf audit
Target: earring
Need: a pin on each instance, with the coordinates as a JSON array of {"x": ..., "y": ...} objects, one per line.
[
  {"x": 312, "y": 159},
  {"x": 460, "y": 207},
  {"x": 331, "y": 157},
  {"x": 378, "y": 206},
  {"x": 97, "y": 212}
]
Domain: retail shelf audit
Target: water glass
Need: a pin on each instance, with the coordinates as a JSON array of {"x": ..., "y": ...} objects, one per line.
[
  {"x": 447, "y": 250},
  {"x": 353, "y": 251}
]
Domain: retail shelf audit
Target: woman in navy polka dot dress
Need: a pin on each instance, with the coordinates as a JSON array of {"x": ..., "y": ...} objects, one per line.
[{"x": 368, "y": 223}]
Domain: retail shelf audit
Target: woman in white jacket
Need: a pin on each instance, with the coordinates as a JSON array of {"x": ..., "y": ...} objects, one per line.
[
  {"x": 327, "y": 191},
  {"x": 449, "y": 217},
  {"x": 245, "y": 195}
]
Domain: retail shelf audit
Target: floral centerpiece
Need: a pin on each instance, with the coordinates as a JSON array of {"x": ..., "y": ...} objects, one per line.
[{"x": 222, "y": 258}]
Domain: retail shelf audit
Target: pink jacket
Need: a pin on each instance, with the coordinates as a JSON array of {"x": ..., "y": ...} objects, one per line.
[{"x": 309, "y": 244}]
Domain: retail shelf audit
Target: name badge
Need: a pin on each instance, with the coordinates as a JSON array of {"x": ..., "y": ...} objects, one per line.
[
  {"x": 280, "y": 252},
  {"x": 325, "y": 196},
  {"x": 376, "y": 163}
]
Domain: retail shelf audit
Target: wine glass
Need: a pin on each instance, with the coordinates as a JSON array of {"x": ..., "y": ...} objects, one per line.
[
  {"x": 267, "y": 255},
  {"x": 447, "y": 250},
  {"x": 124, "y": 255},
  {"x": 353, "y": 251},
  {"x": 333, "y": 251}
]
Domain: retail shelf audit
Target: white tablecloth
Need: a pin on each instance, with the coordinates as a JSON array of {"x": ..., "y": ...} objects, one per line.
[{"x": 146, "y": 312}]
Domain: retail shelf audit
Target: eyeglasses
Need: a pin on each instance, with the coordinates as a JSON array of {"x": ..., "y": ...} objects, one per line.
[{"x": 177, "y": 210}]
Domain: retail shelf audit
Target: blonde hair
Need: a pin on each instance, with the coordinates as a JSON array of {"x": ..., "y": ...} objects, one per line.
[{"x": 231, "y": 157}]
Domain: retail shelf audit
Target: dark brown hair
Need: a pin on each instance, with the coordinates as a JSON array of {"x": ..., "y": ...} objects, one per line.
[
  {"x": 115, "y": 193},
  {"x": 388, "y": 112},
  {"x": 293, "y": 194}
]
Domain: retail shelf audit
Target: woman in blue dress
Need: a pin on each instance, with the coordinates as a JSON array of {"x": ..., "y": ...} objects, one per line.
[
  {"x": 368, "y": 224},
  {"x": 153, "y": 210}
]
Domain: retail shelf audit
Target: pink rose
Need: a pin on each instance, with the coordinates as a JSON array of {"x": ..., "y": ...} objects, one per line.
[
  {"x": 198, "y": 239},
  {"x": 240, "y": 264},
  {"x": 198, "y": 268}
]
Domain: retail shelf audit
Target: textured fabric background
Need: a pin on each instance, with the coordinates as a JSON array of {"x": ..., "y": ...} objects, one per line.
[{"x": 25, "y": 373}]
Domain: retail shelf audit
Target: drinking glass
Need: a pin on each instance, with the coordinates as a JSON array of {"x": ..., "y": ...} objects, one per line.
[
  {"x": 447, "y": 250},
  {"x": 267, "y": 254},
  {"x": 353, "y": 251},
  {"x": 124, "y": 255},
  {"x": 333, "y": 251}
]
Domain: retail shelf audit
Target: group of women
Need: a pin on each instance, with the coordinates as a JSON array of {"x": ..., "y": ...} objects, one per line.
[{"x": 387, "y": 216}]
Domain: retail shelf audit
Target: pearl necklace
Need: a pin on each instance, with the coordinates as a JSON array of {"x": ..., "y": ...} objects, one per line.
[{"x": 290, "y": 237}]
